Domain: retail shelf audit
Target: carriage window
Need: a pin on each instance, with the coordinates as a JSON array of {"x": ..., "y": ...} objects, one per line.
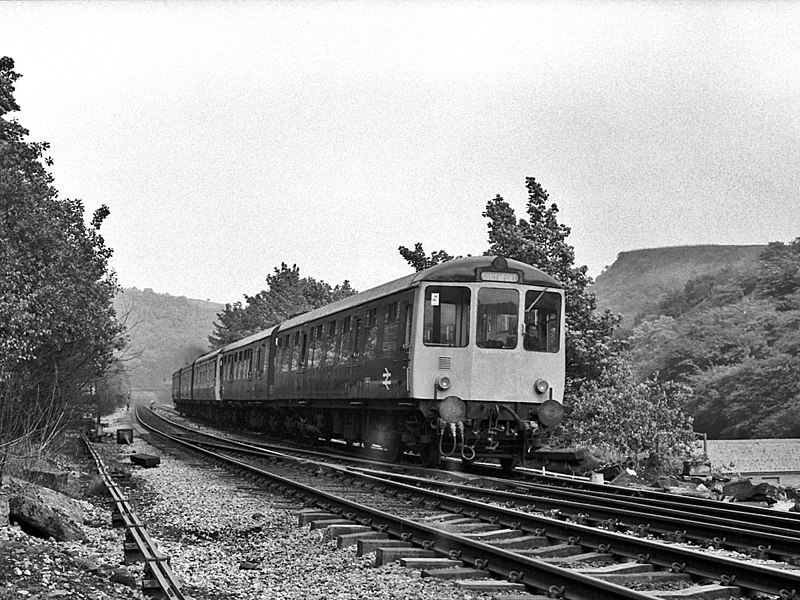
[
  {"x": 372, "y": 317},
  {"x": 542, "y": 319},
  {"x": 392, "y": 312},
  {"x": 498, "y": 316},
  {"x": 407, "y": 330},
  {"x": 286, "y": 354},
  {"x": 295, "y": 364},
  {"x": 262, "y": 360},
  {"x": 446, "y": 316}
]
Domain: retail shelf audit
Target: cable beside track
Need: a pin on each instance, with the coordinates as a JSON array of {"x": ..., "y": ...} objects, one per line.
[{"x": 139, "y": 546}]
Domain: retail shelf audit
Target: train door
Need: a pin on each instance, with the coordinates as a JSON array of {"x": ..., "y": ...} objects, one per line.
[
  {"x": 301, "y": 372},
  {"x": 405, "y": 351},
  {"x": 272, "y": 366},
  {"x": 217, "y": 377},
  {"x": 355, "y": 359}
]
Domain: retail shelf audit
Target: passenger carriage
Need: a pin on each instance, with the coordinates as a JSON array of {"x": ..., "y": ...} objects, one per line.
[{"x": 463, "y": 359}]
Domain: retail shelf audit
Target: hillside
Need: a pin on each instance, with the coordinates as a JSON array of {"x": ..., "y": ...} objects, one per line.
[
  {"x": 639, "y": 279},
  {"x": 165, "y": 332}
]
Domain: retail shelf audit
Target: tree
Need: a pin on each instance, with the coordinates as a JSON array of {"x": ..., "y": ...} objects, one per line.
[
  {"x": 733, "y": 337},
  {"x": 541, "y": 241},
  {"x": 622, "y": 420},
  {"x": 778, "y": 276},
  {"x": 417, "y": 258},
  {"x": 287, "y": 295},
  {"x": 607, "y": 409},
  {"x": 58, "y": 330}
]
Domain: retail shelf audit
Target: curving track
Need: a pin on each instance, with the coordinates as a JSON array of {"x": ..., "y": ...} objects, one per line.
[{"x": 576, "y": 547}]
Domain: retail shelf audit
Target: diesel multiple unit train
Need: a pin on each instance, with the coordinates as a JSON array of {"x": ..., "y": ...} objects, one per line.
[{"x": 463, "y": 359}]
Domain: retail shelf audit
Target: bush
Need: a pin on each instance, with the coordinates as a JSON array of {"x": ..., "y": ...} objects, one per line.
[{"x": 622, "y": 421}]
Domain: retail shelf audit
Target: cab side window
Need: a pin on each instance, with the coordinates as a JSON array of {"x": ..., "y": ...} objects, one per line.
[
  {"x": 446, "y": 316},
  {"x": 542, "y": 321}
]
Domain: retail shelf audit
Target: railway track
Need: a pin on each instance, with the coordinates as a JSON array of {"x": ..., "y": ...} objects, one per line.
[{"x": 449, "y": 530}]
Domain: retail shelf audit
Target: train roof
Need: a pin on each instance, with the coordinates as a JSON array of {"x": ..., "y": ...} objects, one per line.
[
  {"x": 459, "y": 269},
  {"x": 465, "y": 269},
  {"x": 249, "y": 339},
  {"x": 387, "y": 289},
  {"x": 202, "y": 357}
]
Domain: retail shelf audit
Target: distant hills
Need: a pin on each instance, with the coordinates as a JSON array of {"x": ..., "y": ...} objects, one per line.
[
  {"x": 639, "y": 279},
  {"x": 165, "y": 332}
]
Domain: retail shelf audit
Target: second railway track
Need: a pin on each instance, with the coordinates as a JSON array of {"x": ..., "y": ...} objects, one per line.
[{"x": 556, "y": 551}]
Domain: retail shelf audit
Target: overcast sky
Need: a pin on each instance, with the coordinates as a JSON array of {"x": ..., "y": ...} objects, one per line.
[{"x": 227, "y": 137}]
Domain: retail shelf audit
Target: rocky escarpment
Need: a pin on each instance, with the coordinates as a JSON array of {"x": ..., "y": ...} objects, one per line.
[{"x": 638, "y": 280}]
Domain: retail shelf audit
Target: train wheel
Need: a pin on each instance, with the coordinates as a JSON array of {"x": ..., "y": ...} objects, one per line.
[
  {"x": 509, "y": 463},
  {"x": 394, "y": 449},
  {"x": 429, "y": 455}
]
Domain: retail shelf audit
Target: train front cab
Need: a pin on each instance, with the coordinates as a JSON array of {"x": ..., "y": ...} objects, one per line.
[{"x": 488, "y": 360}]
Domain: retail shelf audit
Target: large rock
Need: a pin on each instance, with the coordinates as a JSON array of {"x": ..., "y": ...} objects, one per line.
[
  {"x": 47, "y": 473},
  {"x": 743, "y": 490},
  {"x": 768, "y": 493},
  {"x": 739, "y": 489},
  {"x": 628, "y": 478},
  {"x": 44, "y": 511}
]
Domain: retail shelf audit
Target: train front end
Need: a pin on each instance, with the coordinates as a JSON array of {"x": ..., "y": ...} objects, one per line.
[{"x": 489, "y": 364}]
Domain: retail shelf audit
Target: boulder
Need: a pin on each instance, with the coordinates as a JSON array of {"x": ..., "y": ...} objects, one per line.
[
  {"x": 738, "y": 489},
  {"x": 743, "y": 490},
  {"x": 44, "y": 511},
  {"x": 628, "y": 478},
  {"x": 766, "y": 492},
  {"x": 46, "y": 472},
  {"x": 51, "y": 478},
  {"x": 124, "y": 577}
]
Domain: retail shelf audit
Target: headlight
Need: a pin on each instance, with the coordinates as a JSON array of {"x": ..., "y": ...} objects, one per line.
[
  {"x": 541, "y": 386},
  {"x": 443, "y": 382}
]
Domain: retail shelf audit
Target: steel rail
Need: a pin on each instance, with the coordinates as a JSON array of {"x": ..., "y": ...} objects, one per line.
[
  {"x": 605, "y": 489},
  {"x": 698, "y": 563},
  {"x": 713, "y": 566},
  {"x": 731, "y": 533},
  {"x": 703, "y": 565},
  {"x": 541, "y": 576},
  {"x": 723, "y": 530},
  {"x": 662, "y": 501},
  {"x": 156, "y": 564}
]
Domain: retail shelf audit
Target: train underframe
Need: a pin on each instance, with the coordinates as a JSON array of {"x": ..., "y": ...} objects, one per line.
[{"x": 487, "y": 430}]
